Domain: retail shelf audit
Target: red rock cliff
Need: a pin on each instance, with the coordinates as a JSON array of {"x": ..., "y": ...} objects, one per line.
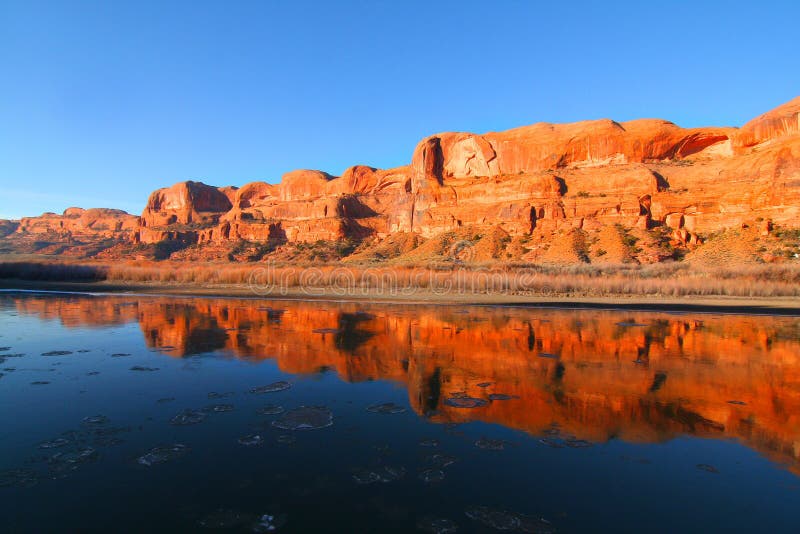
[{"x": 540, "y": 183}]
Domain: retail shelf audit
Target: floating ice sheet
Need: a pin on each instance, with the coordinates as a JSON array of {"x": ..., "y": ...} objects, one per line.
[
  {"x": 501, "y": 397},
  {"x": 162, "y": 454},
  {"x": 305, "y": 418},
  {"x": 62, "y": 463},
  {"x": 431, "y": 476},
  {"x": 382, "y": 474},
  {"x": 188, "y": 417},
  {"x": 21, "y": 478},
  {"x": 386, "y": 408},
  {"x": 95, "y": 420},
  {"x": 441, "y": 460},
  {"x": 251, "y": 440},
  {"x": 491, "y": 444},
  {"x": 465, "y": 402},
  {"x": 219, "y": 408},
  {"x": 54, "y": 443},
  {"x": 274, "y": 387},
  {"x": 270, "y": 409},
  {"x": 707, "y": 468},
  {"x": 57, "y": 353},
  {"x": 509, "y": 521},
  {"x": 437, "y": 525}
]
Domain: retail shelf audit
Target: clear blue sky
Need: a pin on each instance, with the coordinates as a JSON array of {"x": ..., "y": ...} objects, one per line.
[{"x": 102, "y": 102}]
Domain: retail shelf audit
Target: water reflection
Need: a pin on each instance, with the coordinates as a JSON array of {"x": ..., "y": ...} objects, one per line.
[{"x": 590, "y": 375}]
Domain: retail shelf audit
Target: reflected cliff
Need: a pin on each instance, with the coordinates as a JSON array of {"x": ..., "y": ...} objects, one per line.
[{"x": 637, "y": 376}]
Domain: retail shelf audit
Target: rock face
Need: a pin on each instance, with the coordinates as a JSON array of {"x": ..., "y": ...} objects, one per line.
[
  {"x": 779, "y": 122},
  {"x": 540, "y": 184},
  {"x": 77, "y": 231},
  {"x": 8, "y": 227},
  {"x": 174, "y": 212},
  {"x": 77, "y": 222}
]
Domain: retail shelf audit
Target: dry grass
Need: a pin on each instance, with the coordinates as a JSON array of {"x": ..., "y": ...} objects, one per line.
[{"x": 667, "y": 279}]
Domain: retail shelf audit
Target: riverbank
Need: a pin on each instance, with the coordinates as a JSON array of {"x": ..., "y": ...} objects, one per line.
[{"x": 703, "y": 304}]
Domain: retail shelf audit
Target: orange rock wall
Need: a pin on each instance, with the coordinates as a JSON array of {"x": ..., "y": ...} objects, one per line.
[
  {"x": 77, "y": 222},
  {"x": 539, "y": 178},
  {"x": 545, "y": 176}
]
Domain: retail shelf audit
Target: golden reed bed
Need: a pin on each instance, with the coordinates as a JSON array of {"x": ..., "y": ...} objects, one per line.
[{"x": 667, "y": 280}]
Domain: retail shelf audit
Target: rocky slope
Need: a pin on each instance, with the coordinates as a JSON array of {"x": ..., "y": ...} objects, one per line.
[{"x": 596, "y": 191}]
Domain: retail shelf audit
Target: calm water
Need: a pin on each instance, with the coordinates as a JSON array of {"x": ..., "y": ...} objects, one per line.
[{"x": 431, "y": 418}]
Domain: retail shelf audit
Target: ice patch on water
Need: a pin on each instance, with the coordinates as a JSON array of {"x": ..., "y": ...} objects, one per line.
[
  {"x": 490, "y": 444},
  {"x": 431, "y": 476},
  {"x": 21, "y": 478},
  {"x": 62, "y": 463},
  {"x": 266, "y": 523},
  {"x": 285, "y": 439},
  {"x": 270, "y": 409},
  {"x": 437, "y": 525},
  {"x": 707, "y": 468},
  {"x": 501, "y": 397},
  {"x": 162, "y": 454},
  {"x": 215, "y": 395},
  {"x": 505, "y": 520},
  {"x": 305, "y": 418},
  {"x": 386, "y": 408},
  {"x": 274, "y": 387},
  {"x": 252, "y": 440},
  {"x": 465, "y": 402},
  {"x": 224, "y": 519},
  {"x": 54, "y": 443},
  {"x": 95, "y": 420},
  {"x": 384, "y": 474},
  {"x": 219, "y": 408},
  {"x": 188, "y": 417},
  {"x": 441, "y": 460}
]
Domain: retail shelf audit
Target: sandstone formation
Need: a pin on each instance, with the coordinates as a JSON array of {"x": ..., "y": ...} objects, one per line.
[
  {"x": 77, "y": 222},
  {"x": 584, "y": 191},
  {"x": 779, "y": 122},
  {"x": 8, "y": 227},
  {"x": 77, "y": 231}
]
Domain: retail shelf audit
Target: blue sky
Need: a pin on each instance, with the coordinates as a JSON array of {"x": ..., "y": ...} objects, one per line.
[{"x": 102, "y": 102}]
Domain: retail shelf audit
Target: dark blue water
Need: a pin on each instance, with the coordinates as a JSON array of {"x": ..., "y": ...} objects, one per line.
[{"x": 584, "y": 420}]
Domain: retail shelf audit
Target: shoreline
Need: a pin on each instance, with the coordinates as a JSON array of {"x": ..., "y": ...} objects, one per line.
[{"x": 784, "y": 306}]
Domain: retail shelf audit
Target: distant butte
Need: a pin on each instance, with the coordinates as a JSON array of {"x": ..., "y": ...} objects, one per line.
[{"x": 594, "y": 191}]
